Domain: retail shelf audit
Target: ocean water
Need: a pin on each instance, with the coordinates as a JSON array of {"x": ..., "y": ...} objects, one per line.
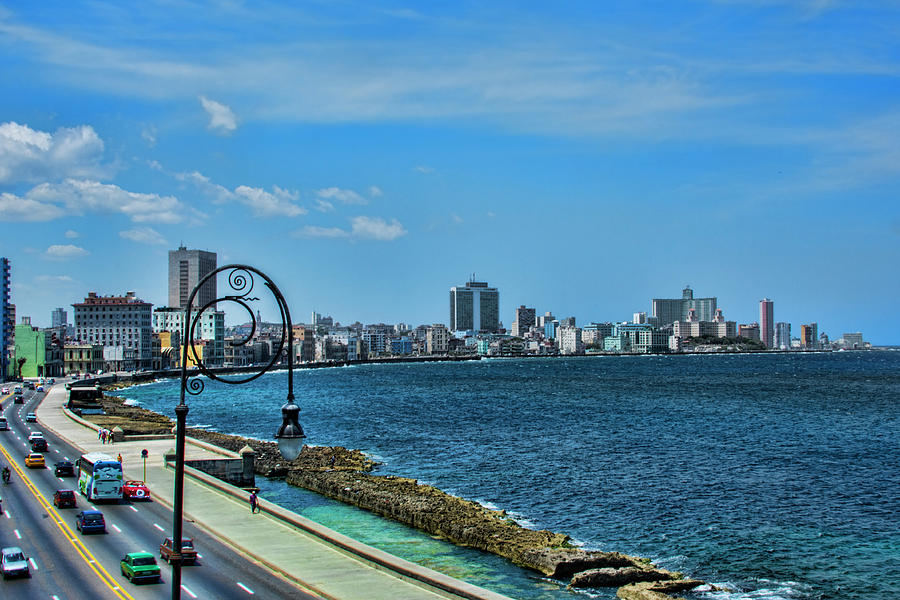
[{"x": 775, "y": 475}]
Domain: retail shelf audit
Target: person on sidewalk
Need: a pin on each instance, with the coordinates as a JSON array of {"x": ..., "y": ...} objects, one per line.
[
  {"x": 119, "y": 458},
  {"x": 254, "y": 502}
]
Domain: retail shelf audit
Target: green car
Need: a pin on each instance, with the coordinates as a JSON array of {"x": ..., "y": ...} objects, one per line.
[{"x": 140, "y": 566}]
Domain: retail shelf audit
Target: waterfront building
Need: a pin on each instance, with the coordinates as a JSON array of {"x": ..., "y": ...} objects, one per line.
[
  {"x": 668, "y": 310},
  {"x": 542, "y": 320},
  {"x": 550, "y": 329},
  {"x": 211, "y": 329},
  {"x": 809, "y": 336},
  {"x": 595, "y": 333},
  {"x": 122, "y": 324},
  {"x": 693, "y": 327},
  {"x": 475, "y": 307},
  {"x": 437, "y": 339},
  {"x": 783, "y": 335},
  {"x": 639, "y": 318},
  {"x": 767, "y": 322},
  {"x": 749, "y": 331},
  {"x": 38, "y": 351},
  {"x": 824, "y": 342},
  {"x": 401, "y": 346},
  {"x": 525, "y": 320},
  {"x": 641, "y": 338},
  {"x": 7, "y": 322},
  {"x": 237, "y": 355},
  {"x": 82, "y": 358},
  {"x": 569, "y": 340},
  {"x": 186, "y": 269},
  {"x": 853, "y": 341}
]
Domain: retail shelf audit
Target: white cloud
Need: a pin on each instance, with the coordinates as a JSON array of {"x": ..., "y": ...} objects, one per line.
[
  {"x": 424, "y": 169},
  {"x": 149, "y": 135},
  {"x": 456, "y": 218},
  {"x": 343, "y": 196},
  {"x": 64, "y": 252},
  {"x": 83, "y": 196},
  {"x": 324, "y": 205},
  {"x": 375, "y": 191},
  {"x": 269, "y": 204},
  {"x": 221, "y": 117},
  {"x": 311, "y": 231},
  {"x": 30, "y": 155},
  {"x": 71, "y": 234},
  {"x": 143, "y": 235},
  {"x": 375, "y": 228},
  {"x": 16, "y": 208}
]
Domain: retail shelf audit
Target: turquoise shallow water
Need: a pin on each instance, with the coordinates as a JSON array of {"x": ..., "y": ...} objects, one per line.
[{"x": 773, "y": 474}]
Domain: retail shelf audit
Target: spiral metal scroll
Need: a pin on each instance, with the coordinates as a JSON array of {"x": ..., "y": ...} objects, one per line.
[{"x": 241, "y": 282}]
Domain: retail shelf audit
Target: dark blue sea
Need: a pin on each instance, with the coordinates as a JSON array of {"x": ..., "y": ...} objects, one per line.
[{"x": 775, "y": 475}]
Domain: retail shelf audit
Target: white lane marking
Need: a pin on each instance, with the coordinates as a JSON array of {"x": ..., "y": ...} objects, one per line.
[
  {"x": 55, "y": 450},
  {"x": 18, "y": 535},
  {"x": 158, "y": 527},
  {"x": 199, "y": 556},
  {"x": 60, "y": 479},
  {"x": 7, "y": 514},
  {"x": 33, "y": 564},
  {"x": 244, "y": 587},
  {"x": 54, "y": 597},
  {"x": 190, "y": 593},
  {"x": 116, "y": 528},
  {"x": 133, "y": 508}
]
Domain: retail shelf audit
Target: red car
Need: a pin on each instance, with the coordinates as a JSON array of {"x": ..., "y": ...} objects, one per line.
[{"x": 136, "y": 490}]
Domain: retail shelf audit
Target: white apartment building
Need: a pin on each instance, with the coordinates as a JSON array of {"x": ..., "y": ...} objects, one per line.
[
  {"x": 569, "y": 340},
  {"x": 210, "y": 328}
]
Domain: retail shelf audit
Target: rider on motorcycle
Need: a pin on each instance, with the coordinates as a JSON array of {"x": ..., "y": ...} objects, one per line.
[{"x": 5, "y": 474}]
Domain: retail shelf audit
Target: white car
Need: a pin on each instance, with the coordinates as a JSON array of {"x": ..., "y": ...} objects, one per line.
[
  {"x": 4, "y": 391},
  {"x": 31, "y": 418},
  {"x": 35, "y": 435},
  {"x": 13, "y": 563}
]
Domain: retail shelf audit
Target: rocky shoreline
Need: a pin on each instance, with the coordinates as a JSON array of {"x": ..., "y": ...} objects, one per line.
[{"x": 345, "y": 475}]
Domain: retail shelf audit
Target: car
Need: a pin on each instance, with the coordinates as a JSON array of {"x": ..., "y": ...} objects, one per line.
[
  {"x": 35, "y": 461},
  {"x": 4, "y": 391},
  {"x": 31, "y": 418},
  {"x": 29, "y": 385},
  {"x": 188, "y": 552},
  {"x": 64, "y": 499},
  {"x": 13, "y": 563},
  {"x": 136, "y": 490},
  {"x": 139, "y": 566},
  {"x": 39, "y": 388},
  {"x": 90, "y": 521},
  {"x": 4, "y": 426},
  {"x": 39, "y": 445},
  {"x": 35, "y": 435},
  {"x": 19, "y": 400},
  {"x": 64, "y": 468},
  {"x": 52, "y": 381}
]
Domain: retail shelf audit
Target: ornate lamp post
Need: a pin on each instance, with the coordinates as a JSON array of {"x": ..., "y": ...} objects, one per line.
[{"x": 290, "y": 434}]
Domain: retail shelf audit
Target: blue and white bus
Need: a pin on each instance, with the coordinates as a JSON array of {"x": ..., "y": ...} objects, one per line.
[{"x": 99, "y": 476}]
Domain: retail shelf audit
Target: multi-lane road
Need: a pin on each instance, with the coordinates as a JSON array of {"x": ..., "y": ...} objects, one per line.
[{"x": 68, "y": 565}]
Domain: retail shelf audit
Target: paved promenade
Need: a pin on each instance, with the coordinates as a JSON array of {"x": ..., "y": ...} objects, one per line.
[{"x": 318, "y": 559}]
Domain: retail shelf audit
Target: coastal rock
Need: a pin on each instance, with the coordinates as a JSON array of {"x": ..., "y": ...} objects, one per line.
[
  {"x": 565, "y": 562},
  {"x": 657, "y": 590},
  {"x": 610, "y": 577}
]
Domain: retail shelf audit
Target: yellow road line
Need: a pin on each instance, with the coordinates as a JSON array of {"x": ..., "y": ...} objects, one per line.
[{"x": 79, "y": 546}]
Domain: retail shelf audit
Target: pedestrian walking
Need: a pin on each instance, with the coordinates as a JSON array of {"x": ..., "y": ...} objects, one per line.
[
  {"x": 254, "y": 503},
  {"x": 120, "y": 458},
  {"x": 102, "y": 436}
]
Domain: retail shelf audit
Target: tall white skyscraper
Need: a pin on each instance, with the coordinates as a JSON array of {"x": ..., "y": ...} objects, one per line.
[{"x": 475, "y": 307}]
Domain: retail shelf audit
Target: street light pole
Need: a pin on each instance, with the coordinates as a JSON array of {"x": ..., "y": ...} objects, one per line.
[{"x": 289, "y": 435}]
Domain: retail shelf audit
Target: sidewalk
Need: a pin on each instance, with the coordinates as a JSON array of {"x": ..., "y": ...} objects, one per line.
[{"x": 285, "y": 542}]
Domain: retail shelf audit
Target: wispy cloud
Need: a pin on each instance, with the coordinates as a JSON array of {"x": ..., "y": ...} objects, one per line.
[
  {"x": 343, "y": 196},
  {"x": 424, "y": 169},
  {"x": 311, "y": 231},
  {"x": 71, "y": 234},
  {"x": 264, "y": 204},
  {"x": 16, "y": 208},
  {"x": 27, "y": 154},
  {"x": 221, "y": 117},
  {"x": 324, "y": 205},
  {"x": 143, "y": 235},
  {"x": 361, "y": 228},
  {"x": 54, "y": 280},
  {"x": 374, "y": 228},
  {"x": 64, "y": 252},
  {"x": 79, "y": 197},
  {"x": 375, "y": 191}
]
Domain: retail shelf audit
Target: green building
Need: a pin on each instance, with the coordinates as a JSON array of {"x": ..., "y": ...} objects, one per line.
[{"x": 41, "y": 353}]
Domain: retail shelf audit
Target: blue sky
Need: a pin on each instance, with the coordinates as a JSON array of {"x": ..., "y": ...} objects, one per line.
[{"x": 583, "y": 157}]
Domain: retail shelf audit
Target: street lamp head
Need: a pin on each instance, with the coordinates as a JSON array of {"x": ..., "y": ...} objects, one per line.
[{"x": 290, "y": 434}]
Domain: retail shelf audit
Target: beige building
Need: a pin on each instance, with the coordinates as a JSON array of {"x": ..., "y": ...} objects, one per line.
[
  {"x": 437, "y": 339},
  {"x": 82, "y": 358}
]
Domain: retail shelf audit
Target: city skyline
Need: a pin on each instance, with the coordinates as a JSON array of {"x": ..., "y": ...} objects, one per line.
[{"x": 582, "y": 161}]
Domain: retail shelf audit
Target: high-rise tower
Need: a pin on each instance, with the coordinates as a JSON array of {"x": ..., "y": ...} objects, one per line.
[
  {"x": 475, "y": 307},
  {"x": 186, "y": 269},
  {"x": 767, "y": 322}
]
